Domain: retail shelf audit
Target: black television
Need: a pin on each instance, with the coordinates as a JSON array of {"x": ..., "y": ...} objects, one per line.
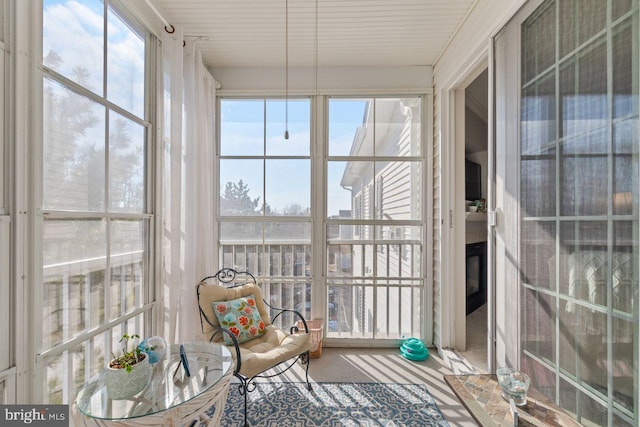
[{"x": 472, "y": 180}]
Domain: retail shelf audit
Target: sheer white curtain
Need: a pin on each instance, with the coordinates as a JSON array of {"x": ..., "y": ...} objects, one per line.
[{"x": 188, "y": 196}]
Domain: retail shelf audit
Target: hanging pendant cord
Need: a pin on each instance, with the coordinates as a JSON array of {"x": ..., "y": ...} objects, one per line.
[{"x": 286, "y": 71}]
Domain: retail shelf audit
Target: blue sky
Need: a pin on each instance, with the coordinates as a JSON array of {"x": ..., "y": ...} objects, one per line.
[
  {"x": 243, "y": 133},
  {"x": 75, "y": 31}
]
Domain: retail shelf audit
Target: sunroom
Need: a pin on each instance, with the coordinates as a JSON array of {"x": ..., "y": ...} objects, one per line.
[{"x": 462, "y": 172}]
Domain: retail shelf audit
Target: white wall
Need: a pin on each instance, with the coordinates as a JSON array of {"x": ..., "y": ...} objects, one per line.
[
  {"x": 484, "y": 20},
  {"x": 336, "y": 80}
]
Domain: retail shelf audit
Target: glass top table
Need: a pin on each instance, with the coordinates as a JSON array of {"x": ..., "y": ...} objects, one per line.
[{"x": 211, "y": 367}]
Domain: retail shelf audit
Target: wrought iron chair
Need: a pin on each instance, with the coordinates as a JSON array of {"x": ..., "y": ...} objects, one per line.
[{"x": 275, "y": 349}]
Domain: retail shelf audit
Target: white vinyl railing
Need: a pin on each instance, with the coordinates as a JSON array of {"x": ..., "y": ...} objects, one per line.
[{"x": 359, "y": 305}]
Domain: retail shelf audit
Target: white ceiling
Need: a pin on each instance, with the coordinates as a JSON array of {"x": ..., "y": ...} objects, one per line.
[{"x": 251, "y": 33}]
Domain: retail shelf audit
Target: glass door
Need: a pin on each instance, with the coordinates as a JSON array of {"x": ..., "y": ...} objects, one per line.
[{"x": 574, "y": 236}]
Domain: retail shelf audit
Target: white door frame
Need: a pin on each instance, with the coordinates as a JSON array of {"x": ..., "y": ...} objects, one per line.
[
  {"x": 453, "y": 292},
  {"x": 452, "y": 146},
  {"x": 452, "y": 315}
]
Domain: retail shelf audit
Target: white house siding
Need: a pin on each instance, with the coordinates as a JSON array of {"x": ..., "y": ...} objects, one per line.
[
  {"x": 400, "y": 199},
  {"x": 470, "y": 43}
]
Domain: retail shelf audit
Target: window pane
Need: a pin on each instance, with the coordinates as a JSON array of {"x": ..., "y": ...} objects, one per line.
[
  {"x": 242, "y": 127},
  {"x": 584, "y": 174},
  {"x": 295, "y": 295},
  {"x": 541, "y": 375},
  {"x": 590, "y": 18},
  {"x": 339, "y": 309},
  {"x": 579, "y": 21},
  {"x": 399, "y": 251},
  {"x": 397, "y": 126},
  {"x": 125, "y": 65},
  {"x": 397, "y": 190},
  {"x": 287, "y": 249},
  {"x": 73, "y": 150},
  {"x": 624, "y": 270},
  {"x": 347, "y": 133},
  {"x": 586, "y": 268},
  {"x": 241, "y": 257},
  {"x": 74, "y": 265},
  {"x": 621, "y": 363},
  {"x": 397, "y": 308},
  {"x": 620, "y": 7},
  {"x": 538, "y": 183},
  {"x": 538, "y": 253},
  {"x": 538, "y": 114},
  {"x": 299, "y": 128},
  {"x": 583, "y": 89},
  {"x": 241, "y": 232},
  {"x": 538, "y": 317},
  {"x": 350, "y": 259},
  {"x": 287, "y": 232},
  {"x": 54, "y": 378},
  {"x": 538, "y": 129},
  {"x": 73, "y": 40},
  {"x": 349, "y": 189},
  {"x": 625, "y": 164},
  {"x": 350, "y": 306},
  {"x": 338, "y": 197},
  {"x": 127, "y": 265},
  {"x": 267, "y": 249},
  {"x": 625, "y": 89},
  {"x": 288, "y": 187},
  {"x": 538, "y": 51},
  {"x": 76, "y": 366},
  {"x": 126, "y": 165},
  {"x": 583, "y": 408},
  {"x": 241, "y": 187}
]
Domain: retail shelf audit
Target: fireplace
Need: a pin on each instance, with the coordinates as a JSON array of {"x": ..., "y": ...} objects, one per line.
[{"x": 476, "y": 284}]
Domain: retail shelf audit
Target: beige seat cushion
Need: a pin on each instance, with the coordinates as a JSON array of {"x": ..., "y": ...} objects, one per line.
[
  {"x": 258, "y": 354},
  {"x": 274, "y": 347}
]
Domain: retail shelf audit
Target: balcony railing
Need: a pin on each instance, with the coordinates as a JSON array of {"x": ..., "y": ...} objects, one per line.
[
  {"x": 359, "y": 304},
  {"x": 76, "y": 343}
]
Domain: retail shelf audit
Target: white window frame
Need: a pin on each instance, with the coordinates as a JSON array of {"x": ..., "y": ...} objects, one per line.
[
  {"x": 319, "y": 156},
  {"x": 425, "y": 161},
  {"x": 31, "y": 387},
  {"x": 285, "y": 281}
]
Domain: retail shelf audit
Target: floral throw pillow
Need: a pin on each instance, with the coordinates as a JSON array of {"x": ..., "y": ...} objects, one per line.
[{"x": 241, "y": 317}]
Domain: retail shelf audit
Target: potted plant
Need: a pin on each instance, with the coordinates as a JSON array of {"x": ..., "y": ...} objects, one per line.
[{"x": 128, "y": 372}]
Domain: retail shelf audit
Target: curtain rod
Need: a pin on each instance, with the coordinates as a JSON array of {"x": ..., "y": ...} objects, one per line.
[{"x": 166, "y": 23}]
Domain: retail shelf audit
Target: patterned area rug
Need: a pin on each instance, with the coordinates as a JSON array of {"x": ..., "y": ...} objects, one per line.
[{"x": 334, "y": 404}]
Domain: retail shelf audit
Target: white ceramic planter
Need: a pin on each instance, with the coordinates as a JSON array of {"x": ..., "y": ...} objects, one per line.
[{"x": 122, "y": 384}]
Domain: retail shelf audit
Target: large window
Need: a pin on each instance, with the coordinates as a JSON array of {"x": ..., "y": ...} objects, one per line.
[
  {"x": 579, "y": 198},
  {"x": 95, "y": 198},
  {"x": 265, "y": 196},
  {"x": 374, "y": 218},
  {"x": 370, "y": 236}
]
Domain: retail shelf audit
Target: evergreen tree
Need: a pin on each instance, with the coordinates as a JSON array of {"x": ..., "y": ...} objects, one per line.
[{"x": 236, "y": 200}]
